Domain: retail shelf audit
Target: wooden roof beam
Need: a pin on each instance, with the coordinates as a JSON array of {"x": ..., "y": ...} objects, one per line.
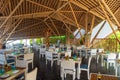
[
  {"x": 92, "y": 23},
  {"x": 108, "y": 9},
  {"x": 54, "y": 26},
  {"x": 10, "y": 34},
  {"x": 109, "y": 21},
  {"x": 74, "y": 15},
  {"x": 98, "y": 32},
  {"x": 70, "y": 20},
  {"x": 56, "y": 11},
  {"x": 85, "y": 8},
  {"x": 31, "y": 15},
  {"x": 11, "y": 13},
  {"x": 65, "y": 24},
  {"x": 50, "y": 28},
  {"x": 40, "y": 5},
  {"x": 27, "y": 27}
]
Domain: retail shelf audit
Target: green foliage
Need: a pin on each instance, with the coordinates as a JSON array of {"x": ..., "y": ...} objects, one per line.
[
  {"x": 54, "y": 39},
  {"x": 21, "y": 41},
  {"x": 71, "y": 36},
  {"x": 38, "y": 41},
  {"x": 113, "y": 36},
  {"x": 31, "y": 41}
]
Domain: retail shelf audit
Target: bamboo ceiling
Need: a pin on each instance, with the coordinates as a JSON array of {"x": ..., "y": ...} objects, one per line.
[{"x": 32, "y": 18}]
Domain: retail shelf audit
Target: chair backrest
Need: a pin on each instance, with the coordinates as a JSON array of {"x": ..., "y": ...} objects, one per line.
[
  {"x": 68, "y": 64},
  {"x": 48, "y": 55},
  {"x": 28, "y": 56},
  {"x": 93, "y": 51},
  {"x": 26, "y": 50},
  {"x": 118, "y": 55},
  {"x": 68, "y": 53},
  {"x": 56, "y": 49},
  {"x": 112, "y": 56},
  {"x": 31, "y": 75},
  {"x": 79, "y": 47},
  {"x": 21, "y": 63},
  {"x": 2, "y": 58},
  {"x": 89, "y": 61},
  {"x": 100, "y": 50}
]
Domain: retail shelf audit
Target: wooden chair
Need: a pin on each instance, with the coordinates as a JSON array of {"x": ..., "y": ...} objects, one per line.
[
  {"x": 85, "y": 67},
  {"x": 28, "y": 58},
  {"x": 111, "y": 60},
  {"x": 51, "y": 56},
  {"x": 31, "y": 75},
  {"x": 68, "y": 67},
  {"x": 4, "y": 59}
]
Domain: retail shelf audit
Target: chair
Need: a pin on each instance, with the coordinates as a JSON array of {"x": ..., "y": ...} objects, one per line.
[
  {"x": 42, "y": 52},
  {"x": 98, "y": 53},
  {"x": 111, "y": 59},
  {"x": 93, "y": 52},
  {"x": 31, "y": 75},
  {"x": 85, "y": 67},
  {"x": 5, "y": 59},
  {"x": 68, "y": 67},
  {"x": 28, "y": 58},
  {"x": 117, "y": 70},
  {"x": 51, "y": 56}
]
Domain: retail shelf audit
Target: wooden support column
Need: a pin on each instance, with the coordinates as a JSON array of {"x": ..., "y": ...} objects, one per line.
[
  {"x": 11, "y": 13},
  {"x": 109, "y": 21},
  {"x": 86, "y": 23},
  {"x": 92, "y": 24}
]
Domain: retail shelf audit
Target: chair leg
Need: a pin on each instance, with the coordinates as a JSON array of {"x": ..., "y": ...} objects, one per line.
[
  {"x": 78, "y": 75},
  {"x": 107, "y": 65},
  {"x": 73, "y": 75},
  {"x": 65, "y": 75},
  {"x": 88, "y": 74},
  {"x": 46, "y": 61},
  {"x": 32, "y": 65},
  {"x": 51, "y": 63}
]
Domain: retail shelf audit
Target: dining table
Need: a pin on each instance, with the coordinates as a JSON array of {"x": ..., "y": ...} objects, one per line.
[
  {"x": 12, "y": 74},
  {"x": 96, "y": 76}
]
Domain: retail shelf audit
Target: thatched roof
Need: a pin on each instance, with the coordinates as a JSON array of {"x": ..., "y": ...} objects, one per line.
[{"x": 32, "y": 18}]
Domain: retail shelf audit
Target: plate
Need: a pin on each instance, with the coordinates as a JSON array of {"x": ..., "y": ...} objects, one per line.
[
  {"x": 16, "y": 71},
  {"x": 5, "y": 76}
]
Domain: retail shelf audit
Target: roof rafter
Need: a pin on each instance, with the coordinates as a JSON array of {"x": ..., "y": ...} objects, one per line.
[
  {"x": 85, "y": 8},
  {"x": 31, "y": 15},
  {"x": 108, "y": 9},
  {"x": 40, "y": 5},
  {"x": 11, "y": 13}
]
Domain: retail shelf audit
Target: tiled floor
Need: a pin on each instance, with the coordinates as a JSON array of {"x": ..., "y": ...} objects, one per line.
[{"x": 46, "y": 72}]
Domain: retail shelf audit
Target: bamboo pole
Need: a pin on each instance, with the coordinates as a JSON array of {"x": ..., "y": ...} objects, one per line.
[
  {"x": 13, "y": 30},
  {"x": 108, "y": 19},
  {"x": 108, "y": 9},
  {"x": 11, "y": 13},
  {"x": 98, "y": 32}
]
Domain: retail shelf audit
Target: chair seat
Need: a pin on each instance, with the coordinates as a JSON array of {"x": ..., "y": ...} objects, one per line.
[{"x": 84, "y": 66}]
